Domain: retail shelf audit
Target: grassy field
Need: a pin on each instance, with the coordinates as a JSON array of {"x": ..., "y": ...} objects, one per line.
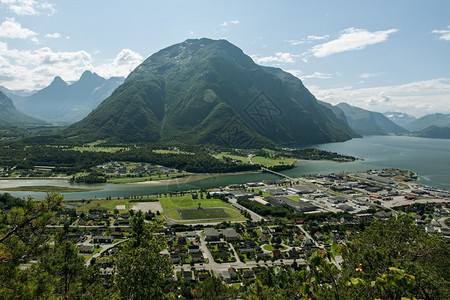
[
  {"x": 270, "y": 162},
  {"x": 173, "y": 205},
  {"x": 142, "y": 179},
  {"x": 270, "y": 247},
  {"x": 243, "y": 159},
  {"x": 98, "y": 149},
  {"x": 46, "y": 189},
  {"x": 104, "y": 204},
  {"x": 201, "y": 214},
  {"x": 162, "y": 151},
  {"x": 186, "y": 201}
]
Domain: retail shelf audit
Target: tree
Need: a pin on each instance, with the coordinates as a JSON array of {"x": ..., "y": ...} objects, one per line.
[
  {"x": 214, "y": 289},
  {"x": 399, "y": 243},
  {"x": 66, "y": 267},
  {"x": 141, "y": 269}
]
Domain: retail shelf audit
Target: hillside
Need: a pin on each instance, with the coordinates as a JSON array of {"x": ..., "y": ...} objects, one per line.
[
  {"x": 367, "y": 122},
  {"x": 434, "y": 132},
  {"x": 439, "y": 120},
  {"x": 10, "y": 116},
  {"x": 61, "y": 102},
  {"x": 209, "y": 92}
]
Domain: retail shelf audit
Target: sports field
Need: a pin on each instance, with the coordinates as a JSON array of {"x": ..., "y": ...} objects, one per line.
[{"x": 203, "y": 213}]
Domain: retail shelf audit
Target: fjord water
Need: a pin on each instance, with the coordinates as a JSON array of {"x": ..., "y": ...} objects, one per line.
[{"x": 429, "y": 157}]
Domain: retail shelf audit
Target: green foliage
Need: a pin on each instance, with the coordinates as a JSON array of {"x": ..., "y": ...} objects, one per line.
[
  {"x": 141, "y": 269},
  {"x": 7, "y": 202},
  {"x": 398, "y": 243},
  {"x": 273, "y": 211},
  {"x": 214, "y": 289}
]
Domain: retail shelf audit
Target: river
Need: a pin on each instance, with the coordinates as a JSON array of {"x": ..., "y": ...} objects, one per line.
[{"x": 428, "y": 157}]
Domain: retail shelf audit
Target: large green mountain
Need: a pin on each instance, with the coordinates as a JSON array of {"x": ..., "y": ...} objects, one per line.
[
  {"x": 69, "y": 103},
  {"x": 9, "y": 116},
  {"x": 209, "y": 92},
  {"x": 439, "y": 120},
  {"x": 367, "y": 122}
]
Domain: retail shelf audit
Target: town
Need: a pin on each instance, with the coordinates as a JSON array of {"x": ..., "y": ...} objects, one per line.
[{"x": 236, "y": 231}]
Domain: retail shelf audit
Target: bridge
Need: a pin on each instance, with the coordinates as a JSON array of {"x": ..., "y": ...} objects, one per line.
[{"x": 276, "y": 173}]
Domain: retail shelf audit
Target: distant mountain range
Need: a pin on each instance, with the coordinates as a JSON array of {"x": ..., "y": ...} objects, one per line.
[
  {"x": 399, "y": 118},
  {"x": 10, "y": 116},
  {"x": 209, "y": 92},
  {"x": 67, "y": 103},
  {"x": 439, "y": 120},
  {"x": 367, "y": 122}
]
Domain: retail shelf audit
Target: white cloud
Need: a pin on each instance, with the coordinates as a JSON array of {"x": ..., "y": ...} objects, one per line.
[
  {"x": 317, "y": 37},
  {"x": 29, "y": 7},
  {"x": 415, "y": 98},
  {"x": 232, "y": 22},
  {"x": 125, "y": 62},
  {"x": 351, "y": 39},
  {"x": 12, "y": 29},
  {"x": 279, "y": 57},
  {"x": 318, "y": 75},
  {"x": 35, "y": 69},
  {"x": 191, "y": 32},
  {"x": 31, "y": 69},
  {"x": 444, "y": 34},
  {"x": 308, "y": 40},
  {"x": 370, "y": 75},
  {"x": 53, "y": 35}
]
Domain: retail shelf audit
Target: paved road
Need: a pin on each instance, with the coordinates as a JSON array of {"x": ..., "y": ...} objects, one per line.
[
  {"x": 442, "y": 222},
  {"x": 255, "y": 217},
  {"x": 104, "y": 249},
  {"x": 309, "y": 236},
  {"x": 217, "y": 269}
]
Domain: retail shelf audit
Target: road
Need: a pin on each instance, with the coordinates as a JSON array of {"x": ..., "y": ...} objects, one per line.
[
  {"x": 309, "y": 236},
  {"x": 217, "y": 269},
  {"x": 105, "y": 248},
  {"x": 277, "y": 173},
  {"x": 255, "y": 217},
  {"x": 442, "y": 222}
]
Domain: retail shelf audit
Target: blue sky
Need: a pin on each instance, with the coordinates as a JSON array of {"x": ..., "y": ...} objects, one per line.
[{"x": 379, "y": 55}]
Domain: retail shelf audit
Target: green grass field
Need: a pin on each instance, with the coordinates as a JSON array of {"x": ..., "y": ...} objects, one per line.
[
  {"x": 186, "y": 201},
  {"x": 104, "y": 204},
  {"x": 243, "y": 159},
  {"x": 222, "y": 210},
  {"x": 202, "y": 214},
  {"x": 270, "y": 162},
  {"x": 162, "y": 151}
]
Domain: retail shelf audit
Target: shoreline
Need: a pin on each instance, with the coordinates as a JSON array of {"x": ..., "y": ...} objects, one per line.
[{"x": 190, "y": 178}]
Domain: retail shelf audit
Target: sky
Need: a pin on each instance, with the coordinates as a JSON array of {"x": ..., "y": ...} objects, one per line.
[{"x": 378, "y": 55}]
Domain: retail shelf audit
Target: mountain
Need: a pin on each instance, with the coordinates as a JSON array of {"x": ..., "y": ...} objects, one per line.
[
  {"x": 209, "y": 92},
  {"x": 15, "y": 95},
  {"x": 434, "y": 132},
  {"x": 399, "y": 118},
  {"x": 9, "y": 116},
  {"x": 69, "y": 103},
  {"x": 439, "y": 120},
  {"x": 367, "y": 122}
]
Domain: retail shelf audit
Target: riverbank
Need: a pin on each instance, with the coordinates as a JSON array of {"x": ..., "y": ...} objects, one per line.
[{"x": 191, "y": 178}]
